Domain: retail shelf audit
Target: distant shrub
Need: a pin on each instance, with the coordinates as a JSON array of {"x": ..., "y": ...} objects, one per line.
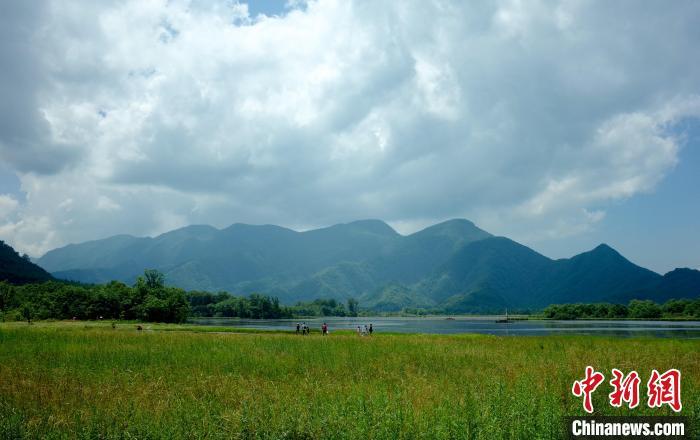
[
  {"x": 639, "y": 309},
  {"x": 645, "y": 309}
]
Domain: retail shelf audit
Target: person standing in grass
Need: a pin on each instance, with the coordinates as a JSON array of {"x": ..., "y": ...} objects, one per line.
[
  {"x": 359, "y": 331},
  {"x": 324, "y": 329},
  {"x": 298, "y": 327},
  {"x": 370, "y": 329}
]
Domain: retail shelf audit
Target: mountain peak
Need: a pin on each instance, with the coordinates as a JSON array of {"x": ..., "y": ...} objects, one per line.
[
  {"x": 604, "y": 255},
  {"x": 602, "y": 252},
  {"x": 456, "y": 227},
  {"x": 369, "y": 225},
  {"x": 604, "y": 248},
  {"x": 682, "y": 271},
  {"x": 457, "y": 222}
]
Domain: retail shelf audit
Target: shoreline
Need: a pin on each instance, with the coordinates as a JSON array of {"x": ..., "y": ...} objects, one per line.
[
  {"x": 453, "y": 317},
  {"x": 122, "y": 327}
]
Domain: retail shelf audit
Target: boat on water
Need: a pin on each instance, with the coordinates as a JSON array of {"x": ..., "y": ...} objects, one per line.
[{"x": 503, "y": 320}]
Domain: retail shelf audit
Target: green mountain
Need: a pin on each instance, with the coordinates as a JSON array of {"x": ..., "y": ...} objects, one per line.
[
  {"x": 496, "y": 272},
  {"x": 601, "y": 274},
  {"x": 454, "y": 266},
  {"x": 19, "y": 270},
  {"x": 489, "y": 274},
  {"x": 679, "y": 283}
]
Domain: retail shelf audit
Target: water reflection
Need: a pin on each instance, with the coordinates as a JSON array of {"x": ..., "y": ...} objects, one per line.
[{"x": 484, "y": 325}]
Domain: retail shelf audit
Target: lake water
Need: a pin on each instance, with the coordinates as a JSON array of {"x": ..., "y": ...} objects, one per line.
[{"x": 482, "y": 324}]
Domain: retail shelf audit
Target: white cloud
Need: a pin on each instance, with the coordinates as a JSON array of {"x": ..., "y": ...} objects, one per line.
[
  {"x": 104, "y": 203},
  {"x": 8, "y": 205},
  {"x": 523, "y": 116}
]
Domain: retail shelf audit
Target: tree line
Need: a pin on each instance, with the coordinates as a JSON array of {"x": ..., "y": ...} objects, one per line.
[
  {"x": 257, "y": 306},
  {"x": 149, "y": 299},
  {"x": 636, "y": 309}
]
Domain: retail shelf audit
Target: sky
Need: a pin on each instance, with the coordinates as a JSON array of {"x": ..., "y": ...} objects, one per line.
[{"x": 560, "y": 124}]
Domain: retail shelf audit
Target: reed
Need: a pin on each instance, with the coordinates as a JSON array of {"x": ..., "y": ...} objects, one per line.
[{"x": 87, "y": 380}]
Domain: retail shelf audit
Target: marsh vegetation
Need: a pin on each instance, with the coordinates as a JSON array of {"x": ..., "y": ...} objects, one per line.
[{"x": 88, "y": 380}]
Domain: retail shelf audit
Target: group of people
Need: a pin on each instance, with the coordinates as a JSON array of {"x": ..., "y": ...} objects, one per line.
[
  {"x": 365, "y": 331},
  {"x": 303, "y": 329}
]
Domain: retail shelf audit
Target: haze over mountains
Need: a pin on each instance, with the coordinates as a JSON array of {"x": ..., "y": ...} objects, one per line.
[{"x": 453, "y": 266}]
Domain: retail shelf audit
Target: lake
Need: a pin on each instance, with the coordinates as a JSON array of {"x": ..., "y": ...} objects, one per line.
[{"x": 482, "y": 324}]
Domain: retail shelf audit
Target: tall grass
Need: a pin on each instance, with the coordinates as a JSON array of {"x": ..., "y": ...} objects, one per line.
[{"x": 74, "y": 381}]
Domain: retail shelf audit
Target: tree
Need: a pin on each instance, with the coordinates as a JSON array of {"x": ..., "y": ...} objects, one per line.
[
  {"x": 693, "y": 308},
  {"x": 644, "y": 309},
  {"x": 352, "y": 306},
  {"x": 7, "y": 294},
  {"x": 155, "y": 310},
  {"x": 168, "y": 304},
  {"x": 617, "y": 311},
  {"x": 27, "y": 312},
  {"x": 675, "y": 306},
  {"x": 154, "y": 278}
]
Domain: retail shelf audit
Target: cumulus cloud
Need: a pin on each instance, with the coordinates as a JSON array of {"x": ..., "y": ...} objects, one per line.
[
  {"x": 8, "y": 205},
  {"x": 528, "y": 118}
]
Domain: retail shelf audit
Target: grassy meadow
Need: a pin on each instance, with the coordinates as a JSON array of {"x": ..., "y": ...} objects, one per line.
[{"x": 87, "y": 380}]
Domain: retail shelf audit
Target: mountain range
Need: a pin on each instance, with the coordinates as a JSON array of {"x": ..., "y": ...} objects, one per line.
[{"x": 452, "y": 266}]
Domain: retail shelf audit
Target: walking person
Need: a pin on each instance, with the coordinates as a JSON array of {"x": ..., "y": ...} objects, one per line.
[{"x": 324, "y": 329}]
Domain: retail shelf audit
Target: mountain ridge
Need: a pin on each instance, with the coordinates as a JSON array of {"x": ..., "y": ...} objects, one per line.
[
  {"x": 452, "y": 265},
  {"x": 17, "y": 269}
]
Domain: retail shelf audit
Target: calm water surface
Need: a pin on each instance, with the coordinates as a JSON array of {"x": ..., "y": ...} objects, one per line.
[{"x": 484, "y": 324}]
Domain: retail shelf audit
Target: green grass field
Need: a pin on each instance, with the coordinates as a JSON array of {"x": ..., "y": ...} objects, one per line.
[{"x": 87, "y": 380}]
